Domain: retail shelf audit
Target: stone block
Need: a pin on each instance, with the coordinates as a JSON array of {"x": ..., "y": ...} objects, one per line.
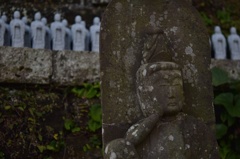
[
  {"x": 24, "y": 65},
  {"x": 230, "y": 66},
  {"x": 73, "y": 68}
]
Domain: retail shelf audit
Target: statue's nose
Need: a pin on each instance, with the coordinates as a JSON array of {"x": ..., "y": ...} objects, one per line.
[{"x": 171, "y": 92}]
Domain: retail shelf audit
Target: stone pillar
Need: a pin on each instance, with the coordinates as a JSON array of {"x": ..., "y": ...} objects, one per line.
[{"x": 138, "y": 32}]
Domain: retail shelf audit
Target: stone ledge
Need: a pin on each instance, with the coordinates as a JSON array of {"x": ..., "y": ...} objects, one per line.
[
  {"x": 73, "y": 68},
  {"x": 39, "y": 66},
  {"x": 230, "y": 66}
]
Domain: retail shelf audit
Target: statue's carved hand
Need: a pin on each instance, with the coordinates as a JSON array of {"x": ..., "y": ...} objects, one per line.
[{"x": 139, "y": 131}]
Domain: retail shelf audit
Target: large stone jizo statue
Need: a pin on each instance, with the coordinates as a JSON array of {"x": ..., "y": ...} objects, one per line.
[
  {"x": 164, "y": 132},
  {"x": 150, "y": 32}
]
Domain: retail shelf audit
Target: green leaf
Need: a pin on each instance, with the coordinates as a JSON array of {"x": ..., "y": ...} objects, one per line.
[
  {"x": 234, "y": 111},
  {"x": 96, "y": 112},
  {"x": 78, "y": 92},
  {"x": 68, "y": 124},
  {"x": 21, "y": 108},
  {"x": 50, "y": 147},
  {"x": 93, "y": 125},
  {"x": 232, "y": 155},
  {"x": 40, "y": 137},
  {"x": 41, "y": 148},
  {"x": 91, "y": 93},
  {"x": 225, "y": 99},
  {"x": 219, "y": 76},
  {"x": 76, "y": 129},
  {"x": 221, "y": 130},
  {"x": 7, "y": 107},
  {"x": 224, "y": 151}
]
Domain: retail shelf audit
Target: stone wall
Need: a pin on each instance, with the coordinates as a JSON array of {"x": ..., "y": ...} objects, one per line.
[
  {"x": 36, "y": 96},
  {"x": 38, "y": 66}
]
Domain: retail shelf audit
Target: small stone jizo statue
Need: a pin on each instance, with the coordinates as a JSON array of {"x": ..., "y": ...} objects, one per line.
[
  {"x": 7, "y": 35},
  {"x": 68, "y": 35},
  {"x": 48, "y": 36},
  {"x": 27, "y": 34},
  {"x": 38, "y": 32},
  {"x": 78, "y": 34},
  {"x": 219, "y": 44},
  {"x": 234, "y": 44},
  {"x": 2, "y": 32},
  {"x": 95, "y": 33},
  {"x": 17, "y": 28},
  {"x": 165, "y": 132},
  {"x": 58, "y": 33}
]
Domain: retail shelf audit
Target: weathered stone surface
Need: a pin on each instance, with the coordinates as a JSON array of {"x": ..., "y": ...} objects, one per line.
[
  {"x": 73, "y": 68},
  {"x": 230, "y": 66},
  {"x": 24, "y": 65},
  {"x": 164, "y": 132},
  {"x": 38, "y": 66},
  {"x": 152, "y": 31}
]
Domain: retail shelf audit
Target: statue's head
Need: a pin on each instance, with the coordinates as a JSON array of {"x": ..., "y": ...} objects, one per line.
[
  {"x": 83, "y": 23},
  {"x": 78, "y": 19},
  {"x": 16, "y": 15},
  {"x": 44, "y": 20},
  {"x": 65, "y": 22},
  {"x": 233, "y": 30},
  {"x": 57, "y": 17},
  {"x": 37, "y": 16},
  {"x": 217, "y": 29},
  {"x": 96, "y": 21},
  {"x": 160, "y": 88},
  {"x": 4, "y": 18},
  {"x": 24, "y": 19}
]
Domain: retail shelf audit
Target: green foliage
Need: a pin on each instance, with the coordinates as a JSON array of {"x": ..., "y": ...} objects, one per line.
[
  {"x": 26, "y": 127},
  {"x": 224, "y": 16},
  {"x": 227, "y": 106},
  {"x": 208, "y": 21},
  {"x": 95, "y": 121},
  {"x": 94, "y": 142},
  {"x": 219, "y": 76},
  {"x": 70, "y": 125},
  {"x": 88, "y": 90}
]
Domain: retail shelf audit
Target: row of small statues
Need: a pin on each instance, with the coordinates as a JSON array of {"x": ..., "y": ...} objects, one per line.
[
  {"x": 219, "y": 44},
  {"x": 58, "y": 37}
]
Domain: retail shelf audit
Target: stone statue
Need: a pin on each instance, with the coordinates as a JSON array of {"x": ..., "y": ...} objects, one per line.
[
  {"x": 165, "y": 132},
  {"x": 58, "y": 33},
  {"x": 78, "y": 34},
  {"x": 2, "y": 32},
  {"x": 95, "y": 33},
  {"x": 48, "y": 36},
  {"x": 17, "y": 28},
  {"x": 219, "y": 44},
  {"x": 152, "y": 32},
  {"x": 87, "y": 39},
  {"x": 27, "y": 34},
  {"x": 38, "y": 32},
  {"x": 7, "y": 35},
  {"x": 234, "y": 44},
  {"x": 68, "y": 35}
]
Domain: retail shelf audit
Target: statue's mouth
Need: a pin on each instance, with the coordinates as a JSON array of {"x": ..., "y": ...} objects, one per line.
[{"x": 172, "y": 103}]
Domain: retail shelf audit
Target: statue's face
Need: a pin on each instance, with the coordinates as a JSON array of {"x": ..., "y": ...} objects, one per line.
[
  {"x": 168, "y": 92},
  {"x": 161, "y": 92}
]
